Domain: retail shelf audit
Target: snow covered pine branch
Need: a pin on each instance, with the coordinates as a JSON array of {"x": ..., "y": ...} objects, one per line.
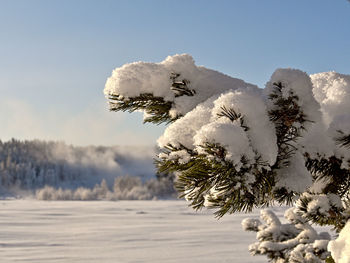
[{"x": 234, "y": 147}]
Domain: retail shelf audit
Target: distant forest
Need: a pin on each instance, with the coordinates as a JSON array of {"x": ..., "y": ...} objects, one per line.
[{"x": 32, "y": 165}]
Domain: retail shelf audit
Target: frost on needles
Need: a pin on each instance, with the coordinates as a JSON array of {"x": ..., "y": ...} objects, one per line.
[{"x": 235, "y": 147}]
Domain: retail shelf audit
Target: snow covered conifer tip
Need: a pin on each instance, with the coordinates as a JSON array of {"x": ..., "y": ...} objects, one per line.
[{"x": 233, "y": 146}]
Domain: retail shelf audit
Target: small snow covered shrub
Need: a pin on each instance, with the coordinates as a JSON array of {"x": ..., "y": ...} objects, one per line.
[
  {"x": 340, "y": 248},
  {"x": 125, "y": 188},
  {"x": 294, "y": 242},
  {"x": 234, "y": 147}
]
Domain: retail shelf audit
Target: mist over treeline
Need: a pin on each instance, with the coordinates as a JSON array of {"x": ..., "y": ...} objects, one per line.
[
  {"x": 34, "y": 165},
  {"x": 125, "y": 188}
]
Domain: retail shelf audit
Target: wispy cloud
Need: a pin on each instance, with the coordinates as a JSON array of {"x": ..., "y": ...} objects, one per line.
[{"x": 92, "y": 126}]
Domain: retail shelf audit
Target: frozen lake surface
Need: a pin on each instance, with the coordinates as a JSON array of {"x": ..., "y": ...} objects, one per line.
[{"x": 120, "y": 232}]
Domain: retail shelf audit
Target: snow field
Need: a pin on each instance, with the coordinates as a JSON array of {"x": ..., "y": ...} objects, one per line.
[{"x": 120, "y": 232}]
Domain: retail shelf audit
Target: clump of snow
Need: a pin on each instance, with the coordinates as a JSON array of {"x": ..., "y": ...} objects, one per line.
[
  {"x": 295, "y": 177},
  {"x": 229, "y": 135},
  {"x": 316, "y": 142},
  {"x": 292, "y": 242},
  {"x": 340, "y": 248},
  {"x": 137, "y": 78},
  {"x": 213, "y": 194},
  {"x": 184, "y": 129},
  {"x": 339, "y": 128},
  {"x": 269, "y": 217},
  {"x": 261, "y": 132},
  {"x": 321, "y": 204},
  {"x": 296, "y": 82},
  {"x": 319, "y": 185},
  {"x": 340, "y": 125},
  {"x": 251, "y": 224},
  {"x": 309, "y": 253},
  {"x": 332, "y": 91},
  {"x": 181, "y": 156}
]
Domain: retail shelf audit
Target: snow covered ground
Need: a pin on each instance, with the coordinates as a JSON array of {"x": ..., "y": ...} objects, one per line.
[{"x": 120, "y": 232}]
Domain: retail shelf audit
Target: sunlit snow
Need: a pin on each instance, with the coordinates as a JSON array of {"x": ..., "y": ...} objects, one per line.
[{"x": 120, "y": 232}]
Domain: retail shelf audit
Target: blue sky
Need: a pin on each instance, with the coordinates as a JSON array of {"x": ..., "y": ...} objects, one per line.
[{"x": 55, "y": 56}]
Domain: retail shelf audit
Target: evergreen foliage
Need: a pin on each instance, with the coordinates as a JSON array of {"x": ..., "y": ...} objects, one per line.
[
  {"x": 210, "y": 180},
  {"x": 294, "y": 242},
  {"x": 156, "y": 108},
  {"x": 227, "y": 177}
]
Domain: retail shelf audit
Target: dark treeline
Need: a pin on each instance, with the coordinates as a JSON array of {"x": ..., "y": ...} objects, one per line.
[{"x": 35, "y": 164}]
